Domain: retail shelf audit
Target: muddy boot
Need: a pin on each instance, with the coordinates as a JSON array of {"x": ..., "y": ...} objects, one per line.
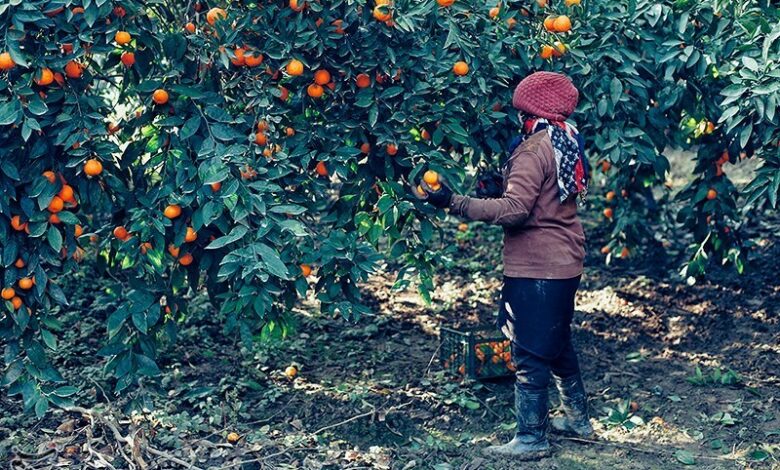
[
  {"x": 575, "y": 406},
  {"x": 530, "y": 441}
]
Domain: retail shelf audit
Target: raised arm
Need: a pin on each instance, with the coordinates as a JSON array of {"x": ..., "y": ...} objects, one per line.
[{"x": 524, "y": 183}]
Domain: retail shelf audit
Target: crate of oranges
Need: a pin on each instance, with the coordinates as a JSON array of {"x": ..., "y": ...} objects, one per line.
[{"x": 475, "y": 352}]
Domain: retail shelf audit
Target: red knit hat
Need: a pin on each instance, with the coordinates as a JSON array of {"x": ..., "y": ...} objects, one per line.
[{"x": 547, "y": 95}]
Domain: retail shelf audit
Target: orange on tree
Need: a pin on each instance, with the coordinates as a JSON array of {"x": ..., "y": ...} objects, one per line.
[
  {"x": 321, "y": 169},
  {"x": 45, "y": 77},
  {"x": 56, "y": 204},
  {"x": 73, "y": 69},
  {"x": 172, "y": 211},
  {"x": 284, "y": 93},
  {"x": 365, "y": 147},
  {"x": 6, "y": 62},
  {"x": 239, "y": 58},
  {"x": 261, "y": 138},
  {"x": 382, "y": 13},
  {"x": 17, "y": 302},
  {"x": 25, "y": 283},
  {"x": 571, "y": 3},
  {"x": 215, "y": 186},
  {"x": 315, "y": 91},
  {"x": 145, "y": 247},
  {"x": 17, "y": 224},
  {"x": 605, "y": 250},
  {"x": 8, "y": 293},
  {"x": 460, "y": 68},
  {"x": 547, "y": 51},
  {"x": 66, "y": 193},
  {"x": 610, "y": 196},
  {"x": 160, "y": 96},
  {"x": 549, "y": 23},
  {"x": 190, "y": 27},
  {"x": 191, "y": 235},
  {"x": 562, "y": 24},
  {"x": 19, "y": 263},
  {"x": 173, "y": 250},
  {"x": 297, "y": 5},
  {"x": 294, "y": 68},
  {"x": 122, "y": 38},
  {"x": 127, "y": 58},
  {"x": 253, "y": 59},
  {"x": 494, "y": 12},
  {"x": 608, "y": 212},
  {"x": 541, "y": 3},
  {"x": 305, "y": 270},
  {"x": 625, "y": 252},
  {"x": 215, "y": 14},
  {"x": 54, "y": 219},
  {"x": 49, "y": 175},
  {"x": 391, "y": 149},
  {"x": 289, "y": 131},
  {"x": 463, "y": 227},
  {"x": 431, "y": 177},
  {"x": 93, "y": 167},
  {"x": 78, "y": 231},
  {"x": 121, "y": 233},
  {"x": 186, "y": 259},
  {"x": 445, "y": 3},
  {"x": 321, "y": 77},
  {"x": 711, "y": 194},
  {"x": 559, "y": 48},
  {"x": 363, "y": 80}
]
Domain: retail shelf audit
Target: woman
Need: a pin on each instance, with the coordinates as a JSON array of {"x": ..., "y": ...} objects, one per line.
[{"x": 543, "y": 258}]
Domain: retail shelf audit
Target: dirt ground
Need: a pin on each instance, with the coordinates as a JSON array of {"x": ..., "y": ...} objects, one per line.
[{"x": 373, "y": 395}]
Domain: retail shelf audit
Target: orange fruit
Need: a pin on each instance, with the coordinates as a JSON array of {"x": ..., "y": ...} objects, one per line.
[
  {"x": 547, "y": 51},
  {"x": 78, "y": 231},
  {"x": 431, "y": 177},
  {"x": 173, "y": 250},
  {"x": 605, "y": 166},
  {"x": 608, "y": 212},
  {"x": 172, "y": 211},
  {"x": 145, "y": 246},
  {"x": 562, "y": 24},
  {"x": 295, "y": 5},
  {"x": 460, "y": 68},
  {"x": 391, "y": 149},
  {"x": 305, "y": 270},
  {"x": 128, "y": 59},
  {"x": 541, "y": 3},
  {"x": 570, "y": 3},
  {"x": 45, "y": 78},
  {"x": 493, "y": 12},
  {"x": 549, "y": 23},
  {"x": 425, "y": 134},
  {"x": 121, "y": 233},
  {"x": 215, "y": 14},
  {"x": 19, "y": 263},
  {"x": 17, "y": 224},
  {"x": 160, "y": 96},
  {"x": 610, "y": 196},
  {"x": 284, "y": 93},
  {"x": 6, "y": 62},
  {"x": 294, "y": 68},
  {"x": 73, "y": 69},
  {"x": 233, "y": 437},
  {"x": 93, "y": 167},
  {"x": 17, "y": 303},
  {"x": 56, "y": 204},
  {"x": 321, "y": 77},
  {"x": 191, "y": 235},
  {"x": 216, "y": 186},
  {"x": 291, "y": 372},
  {"x": 511, "y": 22},
  {"x": 25, "y": 283},
  {"x": 66, "y": 193},
  {"x": 260, "y": 138},
  {"x": 67, "y": 48},
  {"x": 365, "y": 147},
  {"x": 289, "y": 132},
  {"x": 382, "y": 13},
  {"x": 315, "y": 91},
  {"x": 113, "y": 128},
  {"x": 54, "y": 219},
  {"x": 77, "y": 10},
  {"x": 363, "y": 81},
  {"x": 122, "y": 37},
  {"x": 190, "y": 27},
  {"x": 463, "y": 227},
  {"x": 262, "y": 125},
  {"x": 239, "y": 59},
  {"x": 445, "y": 3},
  {"x": 253, "y": 60},
  {"x": 321, "y": 169},
  {"x": 186, "y": 259},
  {"x": 420, "y": 190},
  {"x": 624, "y": 253},
  {"x": 8, "y": 293},
  {"x": 605, "y": 250},
  {"x": 49, "y": 175},
  {"x": 559, "y": 48},
  {"x": 711, "y": 194}
]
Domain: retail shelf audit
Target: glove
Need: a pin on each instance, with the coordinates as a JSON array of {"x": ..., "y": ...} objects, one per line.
[
  {"x": 440, "y": 198},
  {"x": 490, "y": 184}
]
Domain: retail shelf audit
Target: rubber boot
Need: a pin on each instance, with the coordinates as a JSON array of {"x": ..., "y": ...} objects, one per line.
[
  {"x": 530, "y": 441},
  {"x": 576, "y": 421}
]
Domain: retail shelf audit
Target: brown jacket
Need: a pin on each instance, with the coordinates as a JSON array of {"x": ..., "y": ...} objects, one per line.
[{"x": 543, "y": 239}]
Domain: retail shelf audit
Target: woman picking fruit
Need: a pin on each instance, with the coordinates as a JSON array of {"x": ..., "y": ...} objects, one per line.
[{"x": 543, "y": 257}]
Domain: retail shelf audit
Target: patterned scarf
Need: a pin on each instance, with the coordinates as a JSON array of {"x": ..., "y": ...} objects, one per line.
[{"x": 573, "y": 168}]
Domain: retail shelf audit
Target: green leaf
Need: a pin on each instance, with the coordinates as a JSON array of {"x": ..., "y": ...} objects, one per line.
[{"x": 685, "y": 457}]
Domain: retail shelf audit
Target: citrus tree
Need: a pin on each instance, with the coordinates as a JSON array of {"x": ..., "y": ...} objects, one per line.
[{"x": 263, "y": 149}]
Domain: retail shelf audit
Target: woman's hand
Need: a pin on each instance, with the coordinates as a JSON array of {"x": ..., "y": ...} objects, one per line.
[{"x": 439, "y": 197}]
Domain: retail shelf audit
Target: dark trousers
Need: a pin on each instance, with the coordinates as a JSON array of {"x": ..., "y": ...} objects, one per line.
[{"x": 533, "y": 372}]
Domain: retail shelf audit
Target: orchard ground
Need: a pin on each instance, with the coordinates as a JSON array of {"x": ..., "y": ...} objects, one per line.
[{"x": 372, "y": 395}]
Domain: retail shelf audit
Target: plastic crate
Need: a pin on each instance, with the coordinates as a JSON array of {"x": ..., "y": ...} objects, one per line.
[{"x": 475, "y": 352}]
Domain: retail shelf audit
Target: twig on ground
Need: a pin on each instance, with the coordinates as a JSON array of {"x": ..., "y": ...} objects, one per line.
[{"x": 362, "y": 415}]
